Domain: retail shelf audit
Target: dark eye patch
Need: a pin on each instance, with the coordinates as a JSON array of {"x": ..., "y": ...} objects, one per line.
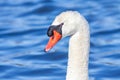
[
  {"x": 58, "y": 28},
  {"x": 50, "y": 31}
]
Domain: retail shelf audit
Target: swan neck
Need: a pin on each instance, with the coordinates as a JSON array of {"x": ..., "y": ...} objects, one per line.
[{"x": 78, "y": 56}]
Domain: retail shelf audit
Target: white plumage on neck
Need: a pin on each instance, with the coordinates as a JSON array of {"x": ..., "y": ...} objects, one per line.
[
  {"x": 77, "y": 27},
  {"x": 78, "y": 57}
]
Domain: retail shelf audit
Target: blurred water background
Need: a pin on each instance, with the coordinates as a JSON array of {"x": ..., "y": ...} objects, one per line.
[{"x": 23, "y": 26}]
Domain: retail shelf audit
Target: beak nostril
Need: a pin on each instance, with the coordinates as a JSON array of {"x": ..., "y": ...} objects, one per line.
[{"x": 53, "y": 37}]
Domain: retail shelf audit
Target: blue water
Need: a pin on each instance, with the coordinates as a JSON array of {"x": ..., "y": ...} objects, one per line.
[{"x": 23, "y": 26}]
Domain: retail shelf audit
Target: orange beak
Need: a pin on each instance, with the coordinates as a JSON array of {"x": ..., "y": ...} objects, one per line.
[{"x": 53, "y": 40}]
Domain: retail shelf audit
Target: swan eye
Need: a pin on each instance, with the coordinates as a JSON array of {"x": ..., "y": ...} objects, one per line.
[{"x": 58, "y": 28}]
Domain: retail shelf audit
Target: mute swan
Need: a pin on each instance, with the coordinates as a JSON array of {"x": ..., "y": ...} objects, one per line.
[{"x": 71, "y": 23}]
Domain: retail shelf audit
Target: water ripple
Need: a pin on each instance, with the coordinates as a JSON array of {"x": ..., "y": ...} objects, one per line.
[{"x": 23, "y": 27}]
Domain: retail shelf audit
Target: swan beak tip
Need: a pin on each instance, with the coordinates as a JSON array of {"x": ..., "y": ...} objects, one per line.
[{"x": 46, "y": 50}]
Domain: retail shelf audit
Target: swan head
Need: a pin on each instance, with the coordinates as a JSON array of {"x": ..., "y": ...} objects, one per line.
[{"x": 65, "y": 24}]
